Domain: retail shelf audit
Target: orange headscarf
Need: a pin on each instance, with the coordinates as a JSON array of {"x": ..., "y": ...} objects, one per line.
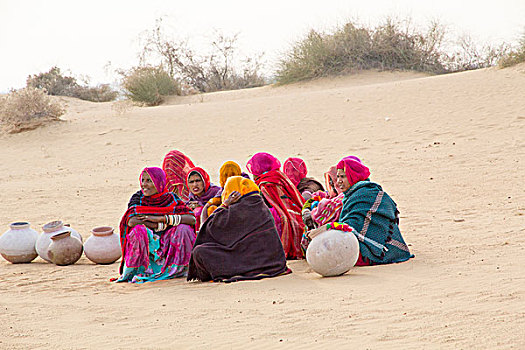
[
  {"x": 239, "y": 184},
  {"x": 228, "y": 169}
]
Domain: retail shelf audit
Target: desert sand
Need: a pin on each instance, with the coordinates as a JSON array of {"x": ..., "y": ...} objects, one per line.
[{"x": 449, "y": 149}]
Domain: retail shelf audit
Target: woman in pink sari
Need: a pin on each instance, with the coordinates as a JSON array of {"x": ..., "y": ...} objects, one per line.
[{"x": 156, "y": 232}]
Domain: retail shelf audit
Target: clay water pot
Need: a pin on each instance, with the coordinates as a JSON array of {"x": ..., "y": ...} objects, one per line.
[
  {"x": 64, "y": 249},
  {"x": 17, "y": 245},
  {"x": 333, "y": 252},
  {"x": 49, "y": 230},
  {"x": 103, "y": 246}
]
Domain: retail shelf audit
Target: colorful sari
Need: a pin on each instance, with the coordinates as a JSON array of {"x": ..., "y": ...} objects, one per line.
[
  {"x": 238, "y": 242},
  {"x": 210, "y": 191},
  {"x": 176, "y": 166},
  {"x": 149, "y": 255},
  {"x": 283, "y": 197}
]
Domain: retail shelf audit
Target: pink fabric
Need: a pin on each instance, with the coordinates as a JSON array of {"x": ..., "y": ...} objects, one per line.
[
  {"x": 158, "y": 176},
  {"x": 261, "y": 163},
  {"x": 330, "y": 178},
  {"x": 175, "y": 247},
  {"x": 328, "y": 210},
  {"x": 355, "y": 170},
  {"x": 136, "y": 252},
  {"x": 278, "y": 223},
  {"x": 295, "y": 169}
]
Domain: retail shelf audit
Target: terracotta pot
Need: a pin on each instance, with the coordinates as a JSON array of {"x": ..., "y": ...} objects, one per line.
[
  {"x": 103, "y": 247},
  {"x": 49, "y": 230},
  {"x": 17, "y": 245},
  {"x": 64, "y": 249}
]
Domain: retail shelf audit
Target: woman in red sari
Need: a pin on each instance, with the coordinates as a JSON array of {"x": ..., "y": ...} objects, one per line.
[
  {"x": 285, "y": 200},
  {"x": 177, "y": 165},
  {"x": 156, "y": 232}
]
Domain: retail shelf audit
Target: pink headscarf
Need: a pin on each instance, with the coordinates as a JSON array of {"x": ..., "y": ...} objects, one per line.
[
  {"x": 295, "y": 169},
  {"x": 261, "y": 163},
  {"x": 158, "y": 176},
  {"x": 355, "y": 170}
]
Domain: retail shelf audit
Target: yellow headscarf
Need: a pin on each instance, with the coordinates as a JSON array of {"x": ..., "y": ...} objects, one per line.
[
  {"x": 239, "y": 184},
  {"x": 228, "y": 169}
]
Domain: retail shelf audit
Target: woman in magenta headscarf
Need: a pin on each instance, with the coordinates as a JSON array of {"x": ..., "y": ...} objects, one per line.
[
  {"x": 371, "y": 214},
  {"x": 156, "y": 232},
  {"x": 283, "y": 198},
  {"x": 295, "y": 169}
]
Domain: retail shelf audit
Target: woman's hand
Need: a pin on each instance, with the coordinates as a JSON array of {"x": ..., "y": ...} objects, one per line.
[
  {"x": 232, "y": 198},
  {"x": 155, "y": 218},
  {"x": 193, "y": 205}
]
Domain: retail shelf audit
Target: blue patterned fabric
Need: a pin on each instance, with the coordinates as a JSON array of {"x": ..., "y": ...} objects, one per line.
[{"x": 371, "y": 211}]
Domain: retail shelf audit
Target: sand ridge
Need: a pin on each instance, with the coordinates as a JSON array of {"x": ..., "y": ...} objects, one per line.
[{"x": 450, "y": 150}]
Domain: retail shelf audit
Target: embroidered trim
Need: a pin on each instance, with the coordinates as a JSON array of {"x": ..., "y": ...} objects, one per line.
[
  {"x": 368, "y": 217},
  {"x": 398, "y": 244}
]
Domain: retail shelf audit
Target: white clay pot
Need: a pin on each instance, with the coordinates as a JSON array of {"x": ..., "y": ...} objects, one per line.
[
  {"x": 333, "y": 252},
  {"x": 49, "y": 230},
  {"x": 103, "y": 246},
  {"x": 17, "y": 245}
]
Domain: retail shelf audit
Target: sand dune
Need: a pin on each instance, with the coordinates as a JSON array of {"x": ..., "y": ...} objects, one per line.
[{"x": 449, "y": 149}]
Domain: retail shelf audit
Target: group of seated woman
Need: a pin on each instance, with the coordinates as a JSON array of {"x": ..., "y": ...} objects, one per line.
[{"x": 181, "y": 225}]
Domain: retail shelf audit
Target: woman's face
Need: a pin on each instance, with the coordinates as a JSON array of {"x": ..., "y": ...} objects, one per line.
[
  {"x": 147, "y": 185},
  {"x": 342, "y": 180},
  {"x": 196, "y": 184}
]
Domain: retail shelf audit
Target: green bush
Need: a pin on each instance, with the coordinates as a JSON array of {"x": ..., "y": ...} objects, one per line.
[
  {"x": 149, "y": 85},
  {"x": 27, "y": 109},
  {"x": 393, "y": 45}
]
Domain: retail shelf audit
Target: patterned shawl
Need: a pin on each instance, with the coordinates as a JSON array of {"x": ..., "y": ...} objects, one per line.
[
  {"x": 371, "y": 211},
  {"x": 176, "y": 165}
]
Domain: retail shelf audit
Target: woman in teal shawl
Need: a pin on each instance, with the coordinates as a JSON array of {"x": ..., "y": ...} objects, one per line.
[{"x": 372, "y": 214}]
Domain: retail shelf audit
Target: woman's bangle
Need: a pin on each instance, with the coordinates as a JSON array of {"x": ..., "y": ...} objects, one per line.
[{"x": 173, "y": 220}]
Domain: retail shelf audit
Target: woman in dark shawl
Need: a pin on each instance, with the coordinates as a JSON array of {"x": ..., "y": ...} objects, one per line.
[
  {"x": 239, "y": 240},
  {"x": 156, "y": 232}
]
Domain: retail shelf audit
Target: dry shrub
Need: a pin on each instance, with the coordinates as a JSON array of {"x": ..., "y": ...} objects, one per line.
[
  {"x": 516, "y": 56},
  {"x": 393, "y": 45},
  {"x": 122, "y": 107},
  {"x": 27, "y": 109},
  {"x": 149, "y": 85},
  {"x": 221, "y": 68},
  {"x": 99, "y": 93},
  {"x": 56, "y": 84}
]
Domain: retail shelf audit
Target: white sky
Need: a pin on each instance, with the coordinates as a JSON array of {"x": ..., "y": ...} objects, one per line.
[{"x": 81, "y": 37}]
